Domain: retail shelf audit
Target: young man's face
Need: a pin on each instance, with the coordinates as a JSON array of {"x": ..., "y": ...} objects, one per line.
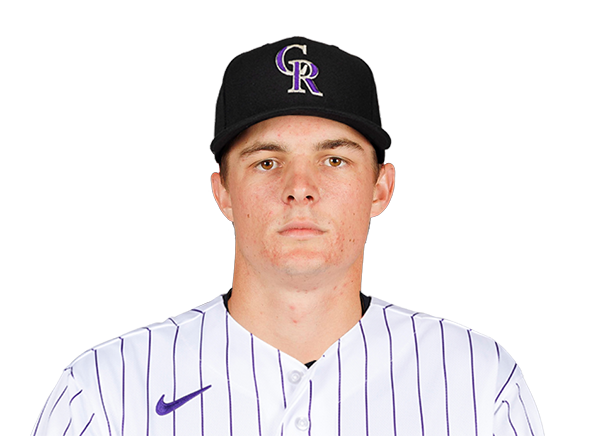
[{"x": 301, "y": 192}]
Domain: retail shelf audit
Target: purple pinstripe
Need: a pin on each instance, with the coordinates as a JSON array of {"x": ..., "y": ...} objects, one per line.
[
  {"x": 366, "y": 380},
  {"x": 200, "y": 372},
  {"x": 88, "y": 424},
  {"x": 68, "y": 426},
  {"x": 506, "y": 383},
  {"x": 309, "y": 407},
  {"x": 282, "y": 384},
  {"x": 122, "y": 387},
  {"x": 473, "y": 382},
  {"x": 418, "y": 372},
  {"x": 75, "y": 396},
  {"x": 40, "y": 417},
  {"x": 508, "y": 415},
  {"x": 524, "y": 409},
  {"x": 282, "y": 380},
  {"x": 174, "y": 373},
  {"x": 445, "y": 376},
  {"x": 100, "y": 392},
  {"x": 227, "y": 369},
  {"x": 339, "y": 387},
  {"x": 56, "y": 403},
  {"x": 148, "y": 382},
  {"x": 255, "y": 383},
  {"x": 71, "y": 419},
  {"x": 391, "y": 368}
]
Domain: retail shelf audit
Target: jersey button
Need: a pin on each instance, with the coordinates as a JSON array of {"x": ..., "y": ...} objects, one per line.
[
  {"x": 302, "y": 424},
  {"x": 295, "y": 376}
]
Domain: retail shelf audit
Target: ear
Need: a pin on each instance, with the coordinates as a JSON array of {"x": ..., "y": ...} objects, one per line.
[
  {"x": 221, "y": 196},
  {"x": 383, "y": 189}
]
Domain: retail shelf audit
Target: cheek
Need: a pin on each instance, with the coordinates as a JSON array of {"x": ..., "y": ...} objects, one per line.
[
  {"x": 350, "y": 206},
  {"x": 252, "y": 212},
  {"x": 350, "y": 199}
]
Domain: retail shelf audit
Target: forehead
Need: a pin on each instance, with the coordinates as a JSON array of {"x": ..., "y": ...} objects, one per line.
[{"x": 298, "y": 131}]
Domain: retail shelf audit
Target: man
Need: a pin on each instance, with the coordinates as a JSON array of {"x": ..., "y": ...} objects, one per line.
[{"x": 295, "y": 347}]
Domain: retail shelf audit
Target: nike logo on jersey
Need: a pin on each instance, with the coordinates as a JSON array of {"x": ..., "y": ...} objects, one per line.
[{"x": 163, "y": 408}]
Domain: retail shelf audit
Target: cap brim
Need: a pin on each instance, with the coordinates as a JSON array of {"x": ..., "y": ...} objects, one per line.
[{"x": 378, "y": 137}]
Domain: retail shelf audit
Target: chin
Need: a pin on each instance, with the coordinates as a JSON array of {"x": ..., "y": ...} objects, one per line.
[
  {"x": 300, "y": 262},
  {"x": 295, "y": 270}
]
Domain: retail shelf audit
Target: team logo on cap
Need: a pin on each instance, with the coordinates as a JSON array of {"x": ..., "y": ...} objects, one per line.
[{"x": 302, "y": 71}]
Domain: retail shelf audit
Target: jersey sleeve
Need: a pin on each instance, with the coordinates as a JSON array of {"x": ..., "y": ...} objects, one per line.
[
  {"x": 67, "y": 413},
  {"x": 515, "y": 412}
]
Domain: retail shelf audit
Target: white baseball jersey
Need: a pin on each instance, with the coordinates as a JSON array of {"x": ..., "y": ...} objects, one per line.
[{"x": 201, "y": 373}]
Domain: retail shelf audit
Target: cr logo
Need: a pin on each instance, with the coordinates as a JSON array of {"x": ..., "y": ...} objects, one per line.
[{"x": 302, "y": 71}]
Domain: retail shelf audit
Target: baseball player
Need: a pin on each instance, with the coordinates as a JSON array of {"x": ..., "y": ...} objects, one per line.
[{"x": 295, "y": 347}]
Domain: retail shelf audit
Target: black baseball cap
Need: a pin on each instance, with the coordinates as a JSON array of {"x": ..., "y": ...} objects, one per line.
[{"x": 298, "y": 76}]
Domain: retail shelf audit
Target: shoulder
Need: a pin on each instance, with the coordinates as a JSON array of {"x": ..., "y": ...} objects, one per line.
[
  {"x": 457, "y": 348},
  {"x": 141, "y": 341},
  {"x": 437, "y": 339},
  {"x": 423, "y": 324}
]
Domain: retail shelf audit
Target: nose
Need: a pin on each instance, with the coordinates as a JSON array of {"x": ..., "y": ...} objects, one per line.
[{"x": 300, "y": 185}]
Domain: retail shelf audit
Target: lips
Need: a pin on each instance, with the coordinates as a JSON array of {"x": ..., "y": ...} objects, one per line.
[{"x": 301, "y": 230}]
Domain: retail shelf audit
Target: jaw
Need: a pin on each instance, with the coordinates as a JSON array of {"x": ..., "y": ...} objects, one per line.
[{"x": 302, "y": 265}]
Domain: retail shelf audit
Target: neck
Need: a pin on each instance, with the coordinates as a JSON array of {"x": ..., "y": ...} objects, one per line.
[{"x": 300, "y": 315}]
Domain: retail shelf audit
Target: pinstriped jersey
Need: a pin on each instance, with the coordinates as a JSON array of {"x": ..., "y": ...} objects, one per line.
[{"x": 394, "y": 373}]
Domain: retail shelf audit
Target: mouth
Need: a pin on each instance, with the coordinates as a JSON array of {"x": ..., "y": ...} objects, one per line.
[{"x": 301, "y": 230}]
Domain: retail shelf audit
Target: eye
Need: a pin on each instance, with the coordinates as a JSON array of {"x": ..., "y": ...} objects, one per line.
[
  {"x": 335, "y": 161},
  {"x": 266, "y": 165}
]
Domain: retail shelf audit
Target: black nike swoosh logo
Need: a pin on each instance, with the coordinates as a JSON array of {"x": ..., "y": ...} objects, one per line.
[{"x": 163, "y": 408}]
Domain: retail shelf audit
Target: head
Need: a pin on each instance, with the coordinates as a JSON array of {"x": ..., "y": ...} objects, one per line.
[
  {"x": 300, "y": 147},
  {"x": 301, "y": 191}
]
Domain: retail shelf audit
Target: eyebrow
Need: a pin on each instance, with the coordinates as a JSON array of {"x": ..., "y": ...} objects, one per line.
[
  {"x": 329, "y": 144},
  {"x": 262, "y": 146}
]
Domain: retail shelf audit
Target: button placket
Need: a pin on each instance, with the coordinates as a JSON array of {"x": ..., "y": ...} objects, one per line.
[
  {"x": 297, "y": 401},
  {"x": 296, "y": 380}
]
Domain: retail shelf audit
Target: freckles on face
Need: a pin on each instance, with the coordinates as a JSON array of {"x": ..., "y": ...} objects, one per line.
[
  {"x": 258, "y": 219},
  {"x": 300, "y": 186}
]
